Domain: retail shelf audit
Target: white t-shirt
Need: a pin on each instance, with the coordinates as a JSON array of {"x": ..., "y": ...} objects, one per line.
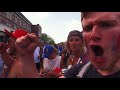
[
  {"x": 1, "y": 65},
  {"x": 36, "y": 54},
  {"x": 49, "y": 65}
]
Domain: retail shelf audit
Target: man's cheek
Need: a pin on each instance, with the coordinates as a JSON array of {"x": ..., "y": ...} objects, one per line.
[
  {"x": 114, "y": 44},
  {"x": 118, "y": 42},
  {"x": 86, "y": 42}
]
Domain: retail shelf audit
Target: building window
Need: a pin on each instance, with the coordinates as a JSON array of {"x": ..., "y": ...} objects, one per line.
[
  {"x": 13, "y": 17},
  {"x": 27, "y": 27},
  {"x": 9, "y": 24},
  {"x": 8, "y": 15},
  {"x": 12, "y": 26},
  {"x": 22, "y": 24},
  {"x": 4, "y": 13},
  {"x": 18, "y": 21},
  {"x": 3, "y": 21}
]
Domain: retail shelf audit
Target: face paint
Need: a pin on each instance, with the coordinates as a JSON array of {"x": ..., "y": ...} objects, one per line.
[{"x": 114, "y": 46}]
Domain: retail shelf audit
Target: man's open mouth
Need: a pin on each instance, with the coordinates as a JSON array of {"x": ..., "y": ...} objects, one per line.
[{"x": 98, "y": 50}]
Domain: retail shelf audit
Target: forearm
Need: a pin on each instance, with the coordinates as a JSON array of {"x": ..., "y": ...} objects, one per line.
[
  {"x": 7, "y": 59},
  {"x": 30, "y": 70}
]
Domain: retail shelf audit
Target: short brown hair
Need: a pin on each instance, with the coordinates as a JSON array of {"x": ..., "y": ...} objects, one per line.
[{"x": 84, "y": 15}]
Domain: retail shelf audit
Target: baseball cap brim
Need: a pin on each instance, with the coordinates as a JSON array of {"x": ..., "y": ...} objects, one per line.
[
  {"x": 17, "y": 33},
  {"x": 9, "y": 34},
  {"x": 46, "y": 55}
]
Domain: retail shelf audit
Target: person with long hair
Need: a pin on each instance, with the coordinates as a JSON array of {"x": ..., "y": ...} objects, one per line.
[{"x": 76, "y": 49}]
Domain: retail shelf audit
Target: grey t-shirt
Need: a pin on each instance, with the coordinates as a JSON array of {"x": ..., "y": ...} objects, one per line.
[{"x": 90, "y": 73}]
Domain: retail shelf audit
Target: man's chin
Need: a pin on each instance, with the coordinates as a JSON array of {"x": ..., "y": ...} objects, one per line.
[{"x": 101, "y": 66}]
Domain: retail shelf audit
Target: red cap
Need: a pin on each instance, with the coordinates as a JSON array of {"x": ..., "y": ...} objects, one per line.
[
  {"x": 17, "y": 33},
  {"x": 57, "y": 70}
]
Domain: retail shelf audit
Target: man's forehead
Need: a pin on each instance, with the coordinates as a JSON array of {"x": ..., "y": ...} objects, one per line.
[{"x": 101, "y": 16}]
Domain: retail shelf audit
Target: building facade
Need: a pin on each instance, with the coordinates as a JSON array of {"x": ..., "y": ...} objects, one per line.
[{"x": 12, "y": 21}]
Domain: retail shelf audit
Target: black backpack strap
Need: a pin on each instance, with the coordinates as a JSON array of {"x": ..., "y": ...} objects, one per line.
[{"x": 83, "y": 70}]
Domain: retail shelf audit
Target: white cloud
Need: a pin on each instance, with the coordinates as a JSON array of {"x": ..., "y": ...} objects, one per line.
[
  {"x": 36, "y": 17},
  {"x": 57, "y": 29},
  {"x": 71, "y": 25},
  {"x": 63, "y": 31}
]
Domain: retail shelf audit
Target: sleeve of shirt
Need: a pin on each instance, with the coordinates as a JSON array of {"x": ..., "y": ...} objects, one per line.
[
  {"x": 73, "y": 71},
  {"x": 45, "y": 63}
]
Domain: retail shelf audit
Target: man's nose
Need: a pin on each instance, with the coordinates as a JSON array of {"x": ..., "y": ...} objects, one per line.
[
  {"x": 73, "y": 41},
  {"x": 96, "y": 33}
]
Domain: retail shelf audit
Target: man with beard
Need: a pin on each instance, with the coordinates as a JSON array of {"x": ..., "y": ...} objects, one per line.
[{"x": 101, "y": 33}]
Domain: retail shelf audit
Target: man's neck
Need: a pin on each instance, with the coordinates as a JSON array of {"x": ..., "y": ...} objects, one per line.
[{"x": 111, "y": 70}]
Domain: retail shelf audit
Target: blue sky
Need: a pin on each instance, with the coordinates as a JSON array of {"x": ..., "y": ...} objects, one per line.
[{"x": 55, "y": 24}]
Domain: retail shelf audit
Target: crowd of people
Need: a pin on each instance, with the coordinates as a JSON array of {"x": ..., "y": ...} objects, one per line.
[{"x": 91, "y": 53}]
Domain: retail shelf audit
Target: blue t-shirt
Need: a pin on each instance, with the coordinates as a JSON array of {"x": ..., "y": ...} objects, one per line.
[{"x": 1, "y": 65}]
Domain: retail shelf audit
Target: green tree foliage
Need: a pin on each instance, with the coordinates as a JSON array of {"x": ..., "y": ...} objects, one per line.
[{"x": 47, "y": 39}]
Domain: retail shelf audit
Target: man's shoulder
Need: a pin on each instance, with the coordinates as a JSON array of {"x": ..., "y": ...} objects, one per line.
[
  {"x": 80, "y": 65},
  {"x": 74, "y": 71},
  {"x": 83, "y": 69}
]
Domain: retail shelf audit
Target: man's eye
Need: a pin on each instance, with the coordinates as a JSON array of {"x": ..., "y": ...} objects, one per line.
[
  {"x": 70, "y": 40},
  {"x": 88, "y": 28},
  {"x": 105, "y": 24},
  {"x": 77, "y": 40}
]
